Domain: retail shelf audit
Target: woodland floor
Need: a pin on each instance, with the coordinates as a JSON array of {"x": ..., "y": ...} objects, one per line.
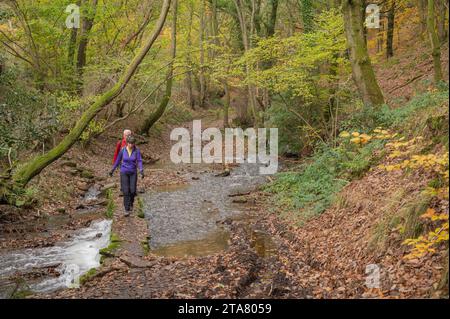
[{"x": 324, "y": 258}]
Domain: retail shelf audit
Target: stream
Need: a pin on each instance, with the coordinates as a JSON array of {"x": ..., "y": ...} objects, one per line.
[
  {"x": 187, "y": 220},
  {"x": 184, "y": 220},
  {"x": 76, "y": 256},
  {"x": 46, "y": 269}
]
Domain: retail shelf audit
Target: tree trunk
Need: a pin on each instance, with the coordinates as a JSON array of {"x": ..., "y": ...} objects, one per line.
[
  {"x": 32, "y": 168},
  {"x": 214, "y": 27},
  {"x": 72, "y": 43},
  {"x": 188, "y": 80},
  {"x": 363, "y": 73},
  {"x": 138, "y": 32},
  {"x": 226, "y": 105},
  {"x": 87, "y": 24},
  {"x": 272, "y": 18},
  {"x": 216, "y": 42},
  {"x": 363, "y": 18},
  {"x": 202, "y": 79},
  {"x": 422, "y": 10},
  {"x": 120, "y": 105},
  {"x": 266, "y": 99},
  {"x": 2, "y": 65},
  {"x": 390, "y": 30},
  {"x": 155, "y": 116},
  {"x": 434, "y": 40},
  {"x": 441, "y": 20},
  {"x": 245, "y": 39},
  {"x": 307, "y": 15}
]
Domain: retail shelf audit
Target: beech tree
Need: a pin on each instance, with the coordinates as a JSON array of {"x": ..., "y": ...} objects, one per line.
[{"x": 363, "y": 73}]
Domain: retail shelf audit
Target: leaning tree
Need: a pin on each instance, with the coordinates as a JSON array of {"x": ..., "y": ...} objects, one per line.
[{"x": 19, "y": 178}]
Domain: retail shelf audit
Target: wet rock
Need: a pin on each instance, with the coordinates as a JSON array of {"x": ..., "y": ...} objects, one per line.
[
  {"x": 7, "y": 289},
  {"x": 83, "y": 186},
  {"x": 239, "y": 193},
  {"x": 225, "y": 173},
  {"x": 226, "y": 221},
  {"x": 136, "y": 262},
  {"x": 94, "y": 202}
]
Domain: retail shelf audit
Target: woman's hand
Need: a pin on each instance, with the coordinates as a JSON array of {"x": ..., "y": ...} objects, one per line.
[{"x": 111, "y": 173}]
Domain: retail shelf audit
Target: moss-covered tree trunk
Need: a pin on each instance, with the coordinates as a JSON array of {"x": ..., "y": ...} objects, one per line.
[
  {"x": 155, "y": 116},
  {"x": 434, "y": 40},
  {"x": 32, "y": 168},
  {"x": 72, "y": 43},
  {"x": 86, "y": 27},
  {"x": 363, "y": 73}
]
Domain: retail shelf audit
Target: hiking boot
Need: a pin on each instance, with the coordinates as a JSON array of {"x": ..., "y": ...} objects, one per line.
[{"x": 127, "y": 213}]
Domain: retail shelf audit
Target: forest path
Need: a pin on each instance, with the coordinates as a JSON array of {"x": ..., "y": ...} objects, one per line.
[{"x": 204, "y": 233}]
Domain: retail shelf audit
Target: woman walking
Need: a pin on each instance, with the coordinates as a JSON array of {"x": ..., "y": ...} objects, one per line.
[
  {"x": 121, "y": 144},
  {"x": 130, "y": 161}
]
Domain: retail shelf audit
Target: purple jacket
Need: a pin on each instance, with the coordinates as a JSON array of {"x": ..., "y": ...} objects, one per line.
[{"x": 129, "y": 164}]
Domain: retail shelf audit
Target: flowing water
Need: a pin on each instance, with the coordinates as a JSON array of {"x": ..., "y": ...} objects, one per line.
[
  {"x": 92, "y": 193},
  {"x": 74, "y": 257},
  {"x": 185, "y": 220}
]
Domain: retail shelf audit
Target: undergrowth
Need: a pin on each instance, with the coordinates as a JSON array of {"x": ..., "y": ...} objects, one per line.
[{"x": 309, "y": 189}]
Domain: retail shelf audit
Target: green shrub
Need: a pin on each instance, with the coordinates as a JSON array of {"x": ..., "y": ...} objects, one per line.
[
  {"x": 384, "y": 116},
  {"x": 312, "y": 188},
  {"x": 140, "y": 208},
  {"x": 110, "y": 204},
  {"x": 27, "y": 117}
]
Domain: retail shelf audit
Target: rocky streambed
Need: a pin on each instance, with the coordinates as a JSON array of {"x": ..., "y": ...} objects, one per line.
[{"x": 191, "y": 220}]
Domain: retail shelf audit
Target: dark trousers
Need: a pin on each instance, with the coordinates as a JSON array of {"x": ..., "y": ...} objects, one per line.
[{"x": 128, "y": 183}]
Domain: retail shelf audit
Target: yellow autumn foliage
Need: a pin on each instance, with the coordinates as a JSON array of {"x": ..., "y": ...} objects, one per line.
[
  {"x": 427, "y": 244},
  {"x": 406, "y": 155}
]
